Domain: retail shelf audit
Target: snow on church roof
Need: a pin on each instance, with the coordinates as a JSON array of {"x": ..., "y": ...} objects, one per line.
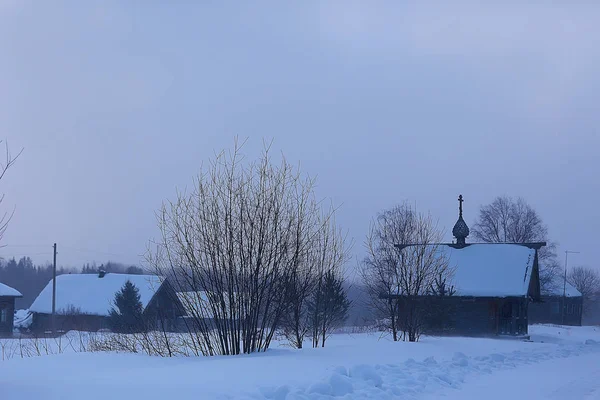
[
  {"x": 494, "y": 269},
  {"x": 565, "y": 288},
  {"x": 7, "y": 291},
  {"x": 90, "y": 294}
]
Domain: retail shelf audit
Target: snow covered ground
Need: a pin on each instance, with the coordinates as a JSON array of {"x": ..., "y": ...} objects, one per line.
[{"x": 560, "y": 363}]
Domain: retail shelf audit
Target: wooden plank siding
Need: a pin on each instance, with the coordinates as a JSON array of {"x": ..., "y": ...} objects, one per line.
[
  {"x": 472, "y": 316},
  {"x": 7, "y": 316},
  {"x": 550, "y": 310}
]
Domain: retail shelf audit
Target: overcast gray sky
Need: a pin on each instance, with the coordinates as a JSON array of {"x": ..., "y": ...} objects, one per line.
[{"x": 118, "y": 104}]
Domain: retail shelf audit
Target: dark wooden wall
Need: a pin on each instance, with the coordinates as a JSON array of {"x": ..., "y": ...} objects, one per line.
[
  {"x": 77, "y": 322},
  {"x": 474, "y": 316},
  {"x": 549, "y": 311},
  {"x": 8, "y": 304}
]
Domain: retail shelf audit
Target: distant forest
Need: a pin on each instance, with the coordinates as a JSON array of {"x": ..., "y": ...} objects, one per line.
[{"x": 30, "y": 279}]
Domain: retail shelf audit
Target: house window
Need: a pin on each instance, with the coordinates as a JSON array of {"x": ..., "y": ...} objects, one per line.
[{"x": 3, "y": 315}]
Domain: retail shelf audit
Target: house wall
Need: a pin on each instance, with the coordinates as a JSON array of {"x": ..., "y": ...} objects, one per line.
[
  {"x": 165, "y": 309},
  {"x": 591, "y": 311},
  {"x": 78, "y": 322},
  {"x": 550, "y": 311},
  {"x": 473, "y": 316},
  {"x": 7, "y": 315}
]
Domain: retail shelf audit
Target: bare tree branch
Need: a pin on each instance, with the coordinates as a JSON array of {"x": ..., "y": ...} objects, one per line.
[{"x": 8, "y": 162}]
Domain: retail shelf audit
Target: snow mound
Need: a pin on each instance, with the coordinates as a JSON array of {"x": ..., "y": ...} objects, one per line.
[
  {"x": 23, "y": 319},
  {"x": 366, "y": 373},
  {"x": 341, "y": 385}
]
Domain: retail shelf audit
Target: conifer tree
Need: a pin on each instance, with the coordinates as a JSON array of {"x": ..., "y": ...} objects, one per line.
[{"x": 127, "y": 314}]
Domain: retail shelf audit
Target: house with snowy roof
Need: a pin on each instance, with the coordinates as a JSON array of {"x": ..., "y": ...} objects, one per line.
[
  {"x": 562, "y": 305},
  {"x": 7, "y": 309},
  {"x": 489, "y": 291},
  {"x": 83, "y": 301}
]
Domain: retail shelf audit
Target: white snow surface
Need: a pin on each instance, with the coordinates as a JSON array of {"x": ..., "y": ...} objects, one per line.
[
  {"x": 92, "y": 295},
  {"x": 567, "y": 289},
  {"x": 560, "y": 363},
  {"x": 23, "y": 319},
  {"x": 7, "y": 291},
  {"x": 491, "y": 269}
]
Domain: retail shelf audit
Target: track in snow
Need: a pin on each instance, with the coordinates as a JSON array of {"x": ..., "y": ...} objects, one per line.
[{"x": 570, "y": 372}]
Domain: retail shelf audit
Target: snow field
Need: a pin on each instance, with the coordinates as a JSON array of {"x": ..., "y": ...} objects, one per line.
[
  {"x": 351, "y": 366},
  {"x": 413, "y": 379}
]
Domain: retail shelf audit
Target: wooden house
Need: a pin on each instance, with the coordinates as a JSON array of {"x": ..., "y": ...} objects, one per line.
[
  {"x": 563, "y": 305},
  {"x": 493, "y": 284},
  {"x": 84, "y": 301},
  {"x": 7, "y": 309}
]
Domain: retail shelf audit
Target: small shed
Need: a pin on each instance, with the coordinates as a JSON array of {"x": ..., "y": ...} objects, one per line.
[
  {"x": 84, "y": 301},
  {"x": 562, "y": 305},
  {"x": 7, "y": 309}
]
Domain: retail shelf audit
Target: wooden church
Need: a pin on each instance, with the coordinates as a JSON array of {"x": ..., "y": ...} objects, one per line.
[{"x": 493, "y": 284}]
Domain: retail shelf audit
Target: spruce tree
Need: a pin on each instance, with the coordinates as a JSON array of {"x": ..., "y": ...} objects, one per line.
[
  {"x": 127, "y": 315},
  {"x": 328, "y": 307}
]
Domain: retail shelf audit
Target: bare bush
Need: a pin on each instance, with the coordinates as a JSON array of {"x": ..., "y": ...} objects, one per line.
[{"x": 241, "y": 240}]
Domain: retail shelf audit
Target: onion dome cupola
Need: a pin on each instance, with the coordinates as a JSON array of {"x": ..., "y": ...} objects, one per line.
[{"x": 460, "y": 230}]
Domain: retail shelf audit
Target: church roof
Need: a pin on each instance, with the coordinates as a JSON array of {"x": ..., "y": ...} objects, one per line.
[
  {"x": 490, "y": 269},
  {"x": 460, "y": 230}
]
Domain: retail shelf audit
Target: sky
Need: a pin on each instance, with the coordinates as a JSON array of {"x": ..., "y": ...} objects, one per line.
[{"x": 118, "y": 104}]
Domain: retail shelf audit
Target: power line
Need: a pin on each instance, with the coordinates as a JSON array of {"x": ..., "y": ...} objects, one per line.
[
  {"x": 36, "y": 254},
  {"x": 25, "y": 245},
  {"x": 78, "y": 249},
  {"x": 93, "y": 251}
]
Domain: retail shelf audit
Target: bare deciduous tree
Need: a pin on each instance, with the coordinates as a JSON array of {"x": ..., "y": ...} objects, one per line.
[
  {"x": 327, "y": 254},
  {"x": 586, "y": 280},
  {"x": 403, "y": 265},
  {"x": 508, "y": 220},
  {"x": 240, "y": 240},
  {"x": 8, "y": 162}
]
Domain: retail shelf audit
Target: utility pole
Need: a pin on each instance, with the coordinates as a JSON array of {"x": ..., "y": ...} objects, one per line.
[
  {"x": 565, "y": 283},
  {"x": 54, "y": 293}
]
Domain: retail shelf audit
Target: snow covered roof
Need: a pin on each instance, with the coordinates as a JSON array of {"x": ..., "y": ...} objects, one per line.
[
  {"x": 491, "y": 269},
  {"x": 90, "y": 294},
  {"x": 7, "y": 291},
  {"x": 568, "y": 289}
]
